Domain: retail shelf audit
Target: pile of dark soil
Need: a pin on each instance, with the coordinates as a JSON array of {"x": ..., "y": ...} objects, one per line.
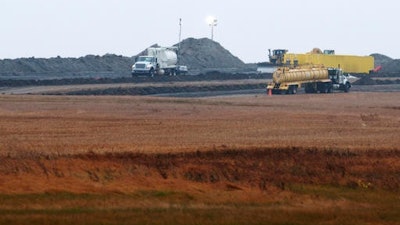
[
  {"x": 137, "y": 79},
  {"x": 57, "y": 68},
  {"x": 151, "y": 90},
  {"x": 200, "y": 55},
  {"x": 381, "y": 59},
  {"x": 204, "y": 55},
  {"x": 390, "y": 67},
  {"x": 367, "y": 80}
]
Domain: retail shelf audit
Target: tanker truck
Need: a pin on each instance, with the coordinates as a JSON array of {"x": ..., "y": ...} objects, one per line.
[
  {"x": 287, "y": 80},
  {"x": 158, "y": 60}
]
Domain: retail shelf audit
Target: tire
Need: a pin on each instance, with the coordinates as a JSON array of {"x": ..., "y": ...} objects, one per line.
[
  {"x": 325, "y": 89},
  {"x": 151, "y": 72},
  {"x": 347, "y": 87},
  {"x": 309, "y": 89},
  {"x": 276, "y": 92},
  {"x": 322, "y": 87},
  {"x": 293, "y": 90}
]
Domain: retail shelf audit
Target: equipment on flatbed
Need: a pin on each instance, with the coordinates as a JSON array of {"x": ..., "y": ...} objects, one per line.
[
  {"x": 276, "y": 57},
  {"x": 328, "y": 58},
  {"x": 314, "y": 79}
]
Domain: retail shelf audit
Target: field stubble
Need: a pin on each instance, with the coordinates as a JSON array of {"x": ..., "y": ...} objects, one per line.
[{"x": 281, "y": 159}]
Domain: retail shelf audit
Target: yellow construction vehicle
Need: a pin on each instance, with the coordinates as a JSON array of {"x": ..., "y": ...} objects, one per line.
[
  {"x": 276, "y": 56},
  {"x": 328, "y": 58}
]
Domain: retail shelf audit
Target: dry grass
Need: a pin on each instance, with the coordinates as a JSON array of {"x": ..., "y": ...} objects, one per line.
[
  {"x": 67, "y": 125},
  {"x": 326, "y": 159}
]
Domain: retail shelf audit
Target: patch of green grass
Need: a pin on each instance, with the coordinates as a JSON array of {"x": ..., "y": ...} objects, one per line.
[
  {"x": 239, "y": 215},
  {"x": 163, "y": 195},
  {"x": 166, "y": 207},
  {"x": 359, "y": 194},
  {"x": 220, "y": 215}
]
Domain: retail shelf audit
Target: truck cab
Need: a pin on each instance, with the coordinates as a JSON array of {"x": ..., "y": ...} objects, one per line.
[
  {"x": 340, "y": 81},
  {"x": 276, "y": 56},
  {"x": 329, "y": 52},
  {"x": 145, "y": 65},
  {"x": 158, "y": 60}
]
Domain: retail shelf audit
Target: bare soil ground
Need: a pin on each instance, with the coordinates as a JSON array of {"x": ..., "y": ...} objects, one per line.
[{"x": 325, "y": 159}]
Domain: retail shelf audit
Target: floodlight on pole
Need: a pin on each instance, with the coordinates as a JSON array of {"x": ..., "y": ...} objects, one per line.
[{"x": 212, "y": 22}]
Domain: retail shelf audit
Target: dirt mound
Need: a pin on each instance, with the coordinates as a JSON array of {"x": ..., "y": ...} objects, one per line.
[
  {"x": 390, "y": 67},
  {"x": 151, "y": 90},
  {"x": 108, "y": 65},
  {"x": 368, "y": 80},
  {"x": 381, "y": 59},
  {"x": 200, "y": 55},
  {"x": 204, "y": 55}
]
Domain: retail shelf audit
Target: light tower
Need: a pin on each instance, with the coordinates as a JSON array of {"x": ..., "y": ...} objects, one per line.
[
  {"x": 212, "y": 22},
  {"x": 179, "y": 43},
  {"x": 180, "y": 31}
]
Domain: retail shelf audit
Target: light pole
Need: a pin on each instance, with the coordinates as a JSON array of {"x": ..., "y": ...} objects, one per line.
[
  {"x": 180, "y": 31},
  {"x": 212, "y": 22},
  {"x": 179, "y": 43}
]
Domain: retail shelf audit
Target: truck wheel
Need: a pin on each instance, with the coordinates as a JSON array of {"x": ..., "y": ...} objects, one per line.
[
  {"x": 309, "y": 89},
  {"x": 276, "y": 92},
  {"x": 151, "y": 72},
  {"x": 322, "y": 87},
  {"x": 325, "y": 89},
  {"x": 292, "y": 90},
  {"x": 347, "y": 87}
]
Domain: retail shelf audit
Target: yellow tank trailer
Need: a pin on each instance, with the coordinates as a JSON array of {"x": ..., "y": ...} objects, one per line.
[
  {"x": 287, "y": 80},
  {"x": 285, "y": 75}
]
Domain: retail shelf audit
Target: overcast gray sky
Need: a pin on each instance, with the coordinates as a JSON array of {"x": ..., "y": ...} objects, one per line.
[{"x": 74, "y": 28}]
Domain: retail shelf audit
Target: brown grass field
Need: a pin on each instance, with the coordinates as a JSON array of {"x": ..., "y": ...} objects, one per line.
[{"x": 303, "y": 159}]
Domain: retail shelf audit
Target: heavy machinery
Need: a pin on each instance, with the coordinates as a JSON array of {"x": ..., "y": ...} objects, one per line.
[
  {"x": 286, "y": 80},
  {"x": 328, "y": 58},
  {"x": 276, "y": 57},
  {"x": 158, "y": 60}
]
